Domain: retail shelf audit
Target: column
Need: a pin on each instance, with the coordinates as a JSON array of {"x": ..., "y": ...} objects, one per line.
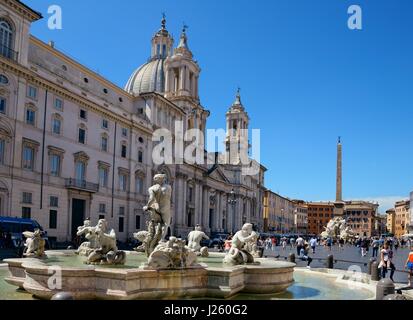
[
  {"x": 198, "y": 203},
  {"x": 205, "y": 208},
  {"x": 167, "y": 81},
  {"x": 184, "y": 208},
  {"x": 182, "y": 79}
]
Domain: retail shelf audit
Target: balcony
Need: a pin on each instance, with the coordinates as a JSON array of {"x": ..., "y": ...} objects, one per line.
[
  {"x": 8, "y": 53},
  {"x": 81, "y": 185}
]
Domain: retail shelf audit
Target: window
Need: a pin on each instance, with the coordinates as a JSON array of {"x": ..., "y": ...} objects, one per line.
[
  {"x": 55, "y": 165},
  {"x": 102, "y": 208},
  {"x": 105, "y": 124},
  {"x": 140, "y": 156},
  {"x": 6, "y": 39},
  {"x": 104, "y": 144},
  {"x": 101, "y": 216},
  {"x": 3, "y": 79},
  {"x": 30, "y": 116},
  {"x": 103, "y": 177},
  {"x": 121, "y": 224},
  {"x": 56, "y": 125},
  {"x": 80, "y": 170},
  {"x": 52, "y": 219},
  {"x": 27, "y": 198},
  {"x": 121, "y": 211},
  {"x": 190, "y": 192},
  {"x": 123, "y": 151},
  {"x": 2, "y": 150},
  {"x": 105, "y": 91},
  {"x": 32, "y": 92},
  {"x": 123, "y": 182},
  {"x": 83, "y": 114},
  {"x": 2, "y": 105},
  {"x": 140, "y": 140},
  {"x": 26, "y": 213},
  {"x": 82, "y": 136},
  {"x": 54, "y": 201},
  {"x": 139, "y": 185},
  {"x": 124, "y": 132},
  {"x": 28, "y": 158},
  {"x": 58, "y": 104},
  {"x": 137, "y": 222}
]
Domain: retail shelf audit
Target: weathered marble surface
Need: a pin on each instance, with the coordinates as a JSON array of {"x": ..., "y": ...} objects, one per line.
[
  {"x": 96, "y": 282},
  {"x": 243, "y": 246},
  {"x": 103, "y": 249},
  {"x": 173, "y": 254},
  {"x": 159, "y": 210},
  {"x": 337, "y": 229},
  {"x": 34, "y": 245},
  {"x": 194, "y": 241}
]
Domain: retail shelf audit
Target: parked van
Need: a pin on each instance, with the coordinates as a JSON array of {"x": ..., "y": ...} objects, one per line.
[{"x": 16, "y": 226}]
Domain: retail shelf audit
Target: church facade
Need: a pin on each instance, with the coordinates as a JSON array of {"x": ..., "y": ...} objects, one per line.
[{"x": 73, "y": 145}]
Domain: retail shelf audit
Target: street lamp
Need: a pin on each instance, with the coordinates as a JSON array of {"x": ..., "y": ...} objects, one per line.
[{"x": 232, "y": 200}]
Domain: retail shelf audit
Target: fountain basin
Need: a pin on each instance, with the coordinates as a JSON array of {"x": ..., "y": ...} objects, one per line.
[{"x": 64, "y": 271}]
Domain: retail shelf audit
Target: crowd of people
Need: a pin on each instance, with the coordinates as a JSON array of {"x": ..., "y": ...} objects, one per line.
[
  {"x": 382, "y": 249},
  {"x": 6, "y": 240}
]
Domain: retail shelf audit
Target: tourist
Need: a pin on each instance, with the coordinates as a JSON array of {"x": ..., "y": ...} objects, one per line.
[
  {"x": 300, "y": 244},
  {"x": 340, "y": 244},
  {"x": 375, "y": 245},
  {"x": 363, "y": 247},
  {"x": 396, "y": 244},
  {"x": 385, "y": 261},
  {"x": 409, "y": 266},
  {"x": 313, "y": 244},
  {"x": 227, "y": 244},
  {"x": 292, "y": 241},
  {"x": 273, "y": 243},
  {"x": 329, "y": 243},
  {"x": 284, "y": 243},
  {"x": 304, "y": 255}
]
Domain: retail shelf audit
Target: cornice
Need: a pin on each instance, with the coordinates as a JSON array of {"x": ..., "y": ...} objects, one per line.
[
  {"x": 23, "y": 10},
  {"x": 65, "y": 93}
]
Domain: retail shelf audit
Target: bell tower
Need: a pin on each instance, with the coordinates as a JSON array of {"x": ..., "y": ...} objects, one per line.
[
  {"x": 237, "y": 143},
  {"x": 181, "y": 83},
  {"x": 182, "y": 72}
]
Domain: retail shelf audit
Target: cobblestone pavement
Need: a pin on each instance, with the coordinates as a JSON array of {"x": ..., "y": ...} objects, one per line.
[{"x": 348, "y": 253}]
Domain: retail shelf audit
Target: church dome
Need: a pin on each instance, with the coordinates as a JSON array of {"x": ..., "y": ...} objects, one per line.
[{"x": 150, "y": 77}]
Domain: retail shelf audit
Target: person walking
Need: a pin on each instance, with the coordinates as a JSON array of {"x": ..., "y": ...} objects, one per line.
[
  {"x": 385, "y": 261},
  {"x": 396, "y": 244},
  {"x": 273, "y": 243},
  {"x": 375, "y": 245},
  {"x": 363, "y": 247},
  {"x": 300, "y": 244},
  {"x": 284, "y": 243},
  {"x": 292, "y": 241},
  {"x": 409, "y": 266},
  {"x": 313, "y": 244},
  {"x": 329, "y": 243}
]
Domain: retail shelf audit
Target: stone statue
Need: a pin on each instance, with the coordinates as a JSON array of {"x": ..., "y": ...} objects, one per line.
[
  {"x": 239, "y": 252},
  {"x": 35, "y": 244},
  {"x": 194, "y": 241},
  {"x": 159, "y": 210},
  {"x": 86, "y": 248},
  {"x": 337, "y": 229},
  {"x": 172, "y": 254},
  {"x": 107, "y": 251},
  {"x": 251, "y": 245}
]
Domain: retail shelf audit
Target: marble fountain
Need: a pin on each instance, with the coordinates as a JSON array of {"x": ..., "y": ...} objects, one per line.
[{"x": 160, "y": 269}]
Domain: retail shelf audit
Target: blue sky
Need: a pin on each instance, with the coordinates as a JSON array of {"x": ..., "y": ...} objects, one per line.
[{"x": 305, "y": 77}]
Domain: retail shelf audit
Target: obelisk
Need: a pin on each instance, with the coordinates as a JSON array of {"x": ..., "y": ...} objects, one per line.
[{"x": 339, "y": 204}]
